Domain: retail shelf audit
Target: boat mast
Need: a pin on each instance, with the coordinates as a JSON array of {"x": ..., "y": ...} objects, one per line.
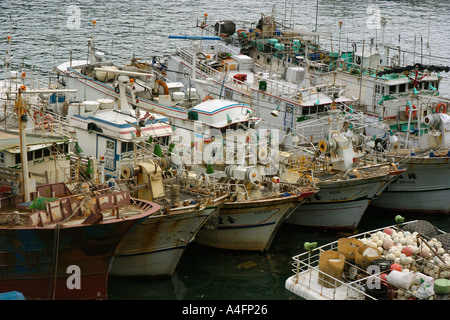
[{"x": 23, "y": 118}]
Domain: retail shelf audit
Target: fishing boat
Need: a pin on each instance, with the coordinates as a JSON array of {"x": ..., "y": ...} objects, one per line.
[
  {"x": 373, "y": 73},
  {"x": 424, "y": 152},
  {"x": 145, "y": 87},
  {"x": 347, "y": 183},
  {"x": 59, "y": 245},
  {"x": 156, "y": 246},
  {"x": 47, "y": 161},
  {"x": 129, "y": 145},
  {"x": 280, "y": 93},
  {"x": 65, "y": 249},
  {"x": 111, "y": 133},
  {"x": 405, "y": 261},
  {"x": 250, "y": 219}
]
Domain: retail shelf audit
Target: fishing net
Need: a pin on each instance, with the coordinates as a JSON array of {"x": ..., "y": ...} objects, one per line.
[
  {"x": 445, "y": 240},
  {"x": 423, "y": 227},
  {"x": 40, "y": 203}
]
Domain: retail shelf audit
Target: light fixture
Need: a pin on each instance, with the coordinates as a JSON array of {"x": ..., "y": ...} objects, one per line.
[
  {"x": 89, "y": 169},
  {"x": 209, "y": 169},
  {"x": 228, "y": 119},
  {"x": 392, "y": 137},
  {"x": 78, "y": 149},
  {"x": 275, "y": 112},
  {"x": 157, "y": 150}
]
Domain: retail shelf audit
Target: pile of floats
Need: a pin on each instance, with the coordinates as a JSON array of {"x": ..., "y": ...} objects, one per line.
[{"x": 409, "y": 261}]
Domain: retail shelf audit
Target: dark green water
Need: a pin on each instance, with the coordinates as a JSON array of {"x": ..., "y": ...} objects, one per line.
[{"x": 206, "y": 273}]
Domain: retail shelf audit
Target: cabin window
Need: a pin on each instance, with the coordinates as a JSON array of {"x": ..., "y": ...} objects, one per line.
[
  {"x": 425, "y": 85},
  {"x": 382, "y": 90},
  {"x": 402, "y": 87},
  {"x": 320, "y": 108},
  {"x": 46, "y": 152},
  {"x": 18, "y": 158},
  {"x": 2, "y": 159},
  {"x": 419, "y": 86},
  {"x": 377, "y": 88},
  {"x": 305, "y": 111},
  {"x": 164, "y": 140},
  {"x": 30, "y": 155},
  {"x": 127, "y": 147},
  {"x": 392, "y": 89},
  {"x": 313, "y": 109},
  {"x": 38, "y": 154}
]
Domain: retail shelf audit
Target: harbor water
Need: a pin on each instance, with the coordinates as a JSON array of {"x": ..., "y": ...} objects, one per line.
[{"x": 44, "y": 33}]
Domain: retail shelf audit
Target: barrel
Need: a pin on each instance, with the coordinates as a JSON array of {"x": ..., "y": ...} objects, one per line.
[
  {"x": 348, "y": 246},
  {"x": 365, "y": 255},
  {"x": 105, "y": 103},
  {"x": 331, "y": 263}
]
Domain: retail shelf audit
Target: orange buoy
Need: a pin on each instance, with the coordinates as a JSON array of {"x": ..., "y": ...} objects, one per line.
[
  {"x": 206, "y": 98},
  {"x": 441, "y": 106}
]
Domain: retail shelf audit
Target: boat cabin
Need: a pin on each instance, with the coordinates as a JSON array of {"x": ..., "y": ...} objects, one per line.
[{"x": 47, "y": 160}]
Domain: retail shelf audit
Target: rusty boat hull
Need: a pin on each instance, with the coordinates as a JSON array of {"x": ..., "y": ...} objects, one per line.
[{"x": 70, "y": 260}]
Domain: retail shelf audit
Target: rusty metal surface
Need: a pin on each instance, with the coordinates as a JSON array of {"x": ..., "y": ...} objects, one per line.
[{"x": 36, "y": 260}]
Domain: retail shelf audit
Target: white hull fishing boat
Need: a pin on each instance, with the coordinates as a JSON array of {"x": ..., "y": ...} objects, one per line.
[
  {"x": 281, "y": 94},
  {"x": 409, "y": 261},
  {"x": 250, "y": 224},
  {"x": 425, "y": 185},
  {"x": 156, "y": 246},
  {"x": 347, "y": 183},
  {"x": 120, "y": 139},
  {"x": 257, "y": 206},
  {"x": 249, "y": 62},
  {"x": 144, "y": 88},
  {"x": 342, "y": 204}
]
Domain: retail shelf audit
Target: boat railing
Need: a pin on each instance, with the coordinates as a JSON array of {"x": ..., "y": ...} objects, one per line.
[
  {"x": 307, "y": 272},
  {"x": 211, "y": 72}
]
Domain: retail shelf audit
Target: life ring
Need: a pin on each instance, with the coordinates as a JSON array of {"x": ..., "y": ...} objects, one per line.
[
  {"x": 414, "y": 108},
  {"x": 47, "y": 121},
  {"x": 164, "y": 85},
  {"x": 206, "y": 98},
  {"x": 35, "y": 116},
  {"x": 441, "y": 106}
]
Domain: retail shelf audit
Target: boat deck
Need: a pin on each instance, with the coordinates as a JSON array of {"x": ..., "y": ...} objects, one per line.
[{"x": 306, "y": 285}]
